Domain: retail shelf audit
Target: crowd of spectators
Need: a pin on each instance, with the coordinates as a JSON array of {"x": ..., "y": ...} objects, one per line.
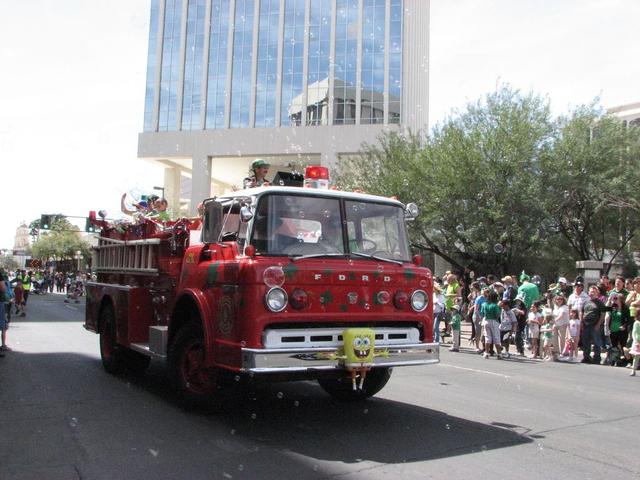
[
  {"x": 555, "y": 323},
  {"x": 17, "y": 286}
]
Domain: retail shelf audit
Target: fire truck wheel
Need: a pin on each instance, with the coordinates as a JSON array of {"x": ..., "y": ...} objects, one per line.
[
  {"x": 113, "y": 355},
  {"x": 341, "y": 387},
  {"x": 194, "y": 383}
]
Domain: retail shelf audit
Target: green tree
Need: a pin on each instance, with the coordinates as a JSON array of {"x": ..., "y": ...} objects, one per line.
[
  {"x": 592, "y": 179},
  {"x": 476, "y": 179},
  {"x": 7, "y": 262},
  {"x": 62, "y": 242}
]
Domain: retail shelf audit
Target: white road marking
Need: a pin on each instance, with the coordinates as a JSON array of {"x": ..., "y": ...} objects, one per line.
[
  {"x": 70, "y": 306},
  {"x": 476, "y": 370}
]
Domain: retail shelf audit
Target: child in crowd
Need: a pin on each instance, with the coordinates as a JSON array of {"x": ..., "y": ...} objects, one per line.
[
  {"x": 438, "y": 311},
  {"x": 533, "y": 322},
  {"x": 74, "y": 292},
  {"x": 18, "y": 299},
  {"x": 547, "y": 329},
  {"x": 574, "y": 333},
  {"x": 477, "y": 317},
  {"x": 490, "y": 318},
  {"x": 456, "y": 320},
  {"x": 635, "y": 346},
  {"x": 508, "y": 326},
  {"x": 616, "y": 323},
  {"x": 520, "y": 311}
]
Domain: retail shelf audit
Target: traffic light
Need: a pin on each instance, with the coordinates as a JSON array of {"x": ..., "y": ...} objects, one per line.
[
  {"x": 88, "y": 226},
  {"x": 45, "y": 222}
]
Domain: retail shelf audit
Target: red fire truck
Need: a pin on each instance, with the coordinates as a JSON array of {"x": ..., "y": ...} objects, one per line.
[{"x": 278, "y": 282}]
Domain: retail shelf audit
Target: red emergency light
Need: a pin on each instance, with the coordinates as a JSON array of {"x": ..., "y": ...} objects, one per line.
[{"x": 316, "y": 177}]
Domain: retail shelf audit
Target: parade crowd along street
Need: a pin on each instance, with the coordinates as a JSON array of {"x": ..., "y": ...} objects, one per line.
[
  {"x": 17, "y": 286},
  {"x": 603, "y": 323},
  {"x": 562, "y": 323}
]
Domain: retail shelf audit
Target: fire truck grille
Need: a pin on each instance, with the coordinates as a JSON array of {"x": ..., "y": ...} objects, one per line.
[{"x": 332, "y": 337}]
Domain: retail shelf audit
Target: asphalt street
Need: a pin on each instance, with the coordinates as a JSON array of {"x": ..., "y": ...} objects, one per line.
[{"x": 63, "y": 417}]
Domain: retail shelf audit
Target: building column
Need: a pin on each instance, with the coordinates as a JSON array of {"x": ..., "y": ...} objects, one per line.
[
  {"x": 200, "y": 181},
  {"x": 172, "y": 190},
  {"x": 415, "y": 65}
]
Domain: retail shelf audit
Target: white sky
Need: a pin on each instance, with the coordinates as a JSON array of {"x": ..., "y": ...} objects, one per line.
[{"x": 73, "y": 78}]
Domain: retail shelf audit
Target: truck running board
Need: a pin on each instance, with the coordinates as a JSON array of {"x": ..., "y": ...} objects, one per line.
[
  {"x": 145, "y": 350},
  {"x": 157, "y": 346}
]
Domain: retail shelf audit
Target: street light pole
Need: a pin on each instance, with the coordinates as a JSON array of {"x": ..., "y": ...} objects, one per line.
[{"x": 78, "y": 257}]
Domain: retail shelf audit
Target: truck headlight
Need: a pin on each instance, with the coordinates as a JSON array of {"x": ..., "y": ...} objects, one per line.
[
  {"x": 276, "y": 299},
  {"x": 419, "y": 300}
]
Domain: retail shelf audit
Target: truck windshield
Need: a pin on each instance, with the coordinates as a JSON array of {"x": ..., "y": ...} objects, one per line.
[
  {"x": 376, "y": 229},
  {"x": 297, "y": 225},
  {"x": 300, "y": 225}
]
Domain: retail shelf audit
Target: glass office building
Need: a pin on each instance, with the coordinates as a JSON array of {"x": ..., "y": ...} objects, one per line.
[{"x": 296, "y": 81}]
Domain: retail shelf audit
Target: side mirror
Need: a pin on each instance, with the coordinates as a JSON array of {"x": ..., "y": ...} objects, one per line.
[
  {"x": 411, "y": 211},
  {"x": 246, "y": 213},
  {"x": 212, "y": 222}
]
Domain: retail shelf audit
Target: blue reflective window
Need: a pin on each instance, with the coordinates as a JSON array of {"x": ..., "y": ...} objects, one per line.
[
  {"x": 193, "y": 65},
  {"x": 267, "y": 63},
  {"x": 170, "y": 66},
  {"x": 151, "y": 68},
  {"x": 292, "y": 63},
  {"x": 372, "y": 70},
  {"x": 346, "y": 61},
  {"x": 242, "y": 60},
  {"x": 395, "y": 61},
  {"x": 318, "y": 63},
  {"x": 217, "y": 64}
]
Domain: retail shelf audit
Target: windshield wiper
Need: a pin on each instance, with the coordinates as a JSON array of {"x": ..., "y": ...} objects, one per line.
[
  {"x": 374, "y": 257},
  {"x": 316, "y": 255}
]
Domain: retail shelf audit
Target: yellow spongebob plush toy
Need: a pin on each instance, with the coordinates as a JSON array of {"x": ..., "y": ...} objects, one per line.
[{"x": 359, "y": 352}]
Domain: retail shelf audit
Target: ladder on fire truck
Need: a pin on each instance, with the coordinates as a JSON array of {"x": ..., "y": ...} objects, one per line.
[{"x": 127, "y": 256}]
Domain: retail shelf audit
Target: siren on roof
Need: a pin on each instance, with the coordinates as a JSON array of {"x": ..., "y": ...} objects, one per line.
[{"x": 316, "y": 177}]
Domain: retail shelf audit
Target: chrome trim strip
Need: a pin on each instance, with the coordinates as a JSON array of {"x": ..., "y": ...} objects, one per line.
[
  {"x": 309, "y": 359},
  {"x": 117, "y": 286},
  {"x": 113, "y": 242},
  {"x": 139, "y": 271}
]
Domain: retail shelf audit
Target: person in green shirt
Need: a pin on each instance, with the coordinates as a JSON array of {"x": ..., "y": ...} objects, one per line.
[
  {"x": 617, "y": 324},
  {"x": 618, "y": 288},
  {"x": 547, "y": 329},
  {"x": 490, "y": 312},
  {"x": 161, "y": 213},
  {"x": 529, "y": 291},
  {"x": 452, "y": 295}
]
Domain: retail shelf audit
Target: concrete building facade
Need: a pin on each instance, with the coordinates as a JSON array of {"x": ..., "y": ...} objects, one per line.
[
  {"x": 293, "y": 81},
  {"x": 628, "y": 113}
]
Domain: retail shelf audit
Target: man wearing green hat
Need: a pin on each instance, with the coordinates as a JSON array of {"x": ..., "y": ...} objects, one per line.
[
  {"x": 258, "y": 172},
  {"x": 529, "y": 291}
]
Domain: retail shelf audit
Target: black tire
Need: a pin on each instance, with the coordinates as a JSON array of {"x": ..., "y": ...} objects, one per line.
[
  {"x": 341, "y": 387},
  {"x": 113, "y": 355},
  {"x": 194, "y": 384},
  {"x": 136, "y": 362}
]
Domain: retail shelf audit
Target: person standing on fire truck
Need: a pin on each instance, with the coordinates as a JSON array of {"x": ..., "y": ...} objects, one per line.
[
  {"x": 259, "y": 170},
  {"x": 160, "y": 212}
]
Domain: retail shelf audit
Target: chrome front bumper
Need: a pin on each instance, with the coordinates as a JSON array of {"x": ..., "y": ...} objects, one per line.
[{"x": 310, "y": 359}]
